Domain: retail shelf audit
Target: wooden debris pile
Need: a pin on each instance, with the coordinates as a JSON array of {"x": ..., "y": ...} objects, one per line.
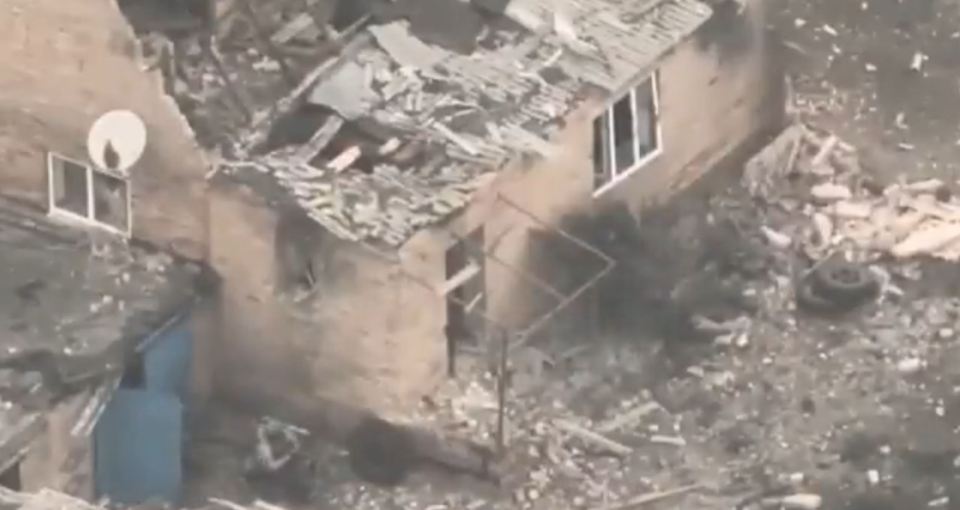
[{"x": 848, "y": 210}]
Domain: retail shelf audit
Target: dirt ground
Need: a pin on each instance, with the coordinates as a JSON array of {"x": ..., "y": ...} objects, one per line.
[
  {"x": 853, "y": 60},
  {"x": 861, "y": 409}
]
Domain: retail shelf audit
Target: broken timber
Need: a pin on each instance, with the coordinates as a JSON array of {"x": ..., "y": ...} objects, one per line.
[
  {"x": 459, "y": 279},
  {"x": 592, "y": 437},
  {"x": 651, "y": 497},
  {"x": 321, "y": 138}
]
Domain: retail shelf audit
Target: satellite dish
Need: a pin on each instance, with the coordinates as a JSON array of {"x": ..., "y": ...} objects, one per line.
[{"x": 117, "y": 140}]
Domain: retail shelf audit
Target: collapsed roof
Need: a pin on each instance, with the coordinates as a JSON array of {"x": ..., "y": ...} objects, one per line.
[
  {"x": 420, "y": 106},
  {"x": 71, "y": 309}
]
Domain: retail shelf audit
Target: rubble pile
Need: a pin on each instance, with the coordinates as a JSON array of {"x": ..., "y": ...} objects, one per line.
[
  {"x": 765, "y": 415},
  {"x": 850, "y": 211}
]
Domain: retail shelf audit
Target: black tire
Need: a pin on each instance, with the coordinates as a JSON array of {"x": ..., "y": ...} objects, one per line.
[
  {"x": 844, "y": 282},
  {"x": 808, "y": 300},
  {"x": 380, "y": 452}
]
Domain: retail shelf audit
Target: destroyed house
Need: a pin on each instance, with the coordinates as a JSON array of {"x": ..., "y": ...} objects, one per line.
[
  {"x": 94, "y": 362},
  {"x": 381, "y": 186},
  {"x": 401, "y": 202}
]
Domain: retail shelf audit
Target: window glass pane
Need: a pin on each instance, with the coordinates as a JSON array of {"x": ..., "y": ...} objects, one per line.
[
  {"x": 623, "y": 134},
  {"x": 646, "y": 118},
  {"x": 69, "y": 186},
  {"x": 110, "y": 200},
  {"x": 601, "y": 153}
]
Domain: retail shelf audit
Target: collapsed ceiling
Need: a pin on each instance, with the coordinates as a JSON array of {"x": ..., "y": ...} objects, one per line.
[{"x": 379, "y": 118}]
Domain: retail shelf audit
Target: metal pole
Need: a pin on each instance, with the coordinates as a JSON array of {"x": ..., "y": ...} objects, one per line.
[{"x": 502, "y": 392}]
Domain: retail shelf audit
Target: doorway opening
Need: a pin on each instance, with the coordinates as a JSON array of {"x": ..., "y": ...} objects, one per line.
[
  {"x": 465, "y": 291},
  {"x": 11, "y": 479}
]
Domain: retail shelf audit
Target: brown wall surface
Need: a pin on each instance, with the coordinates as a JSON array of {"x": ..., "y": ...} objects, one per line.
[
  {"x": 359, "y": 340},
  {"x": 717, "y": 92},
  {"x": 64, "y": 65}
]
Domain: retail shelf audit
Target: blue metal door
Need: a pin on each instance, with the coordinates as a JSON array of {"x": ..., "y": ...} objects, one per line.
[
  {"x": 139, "y": 438},
  {"x": 166, "y": 361},
  {"x": 138, "y": 442}
]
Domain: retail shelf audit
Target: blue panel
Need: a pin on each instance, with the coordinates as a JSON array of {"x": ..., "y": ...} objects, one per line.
[
  {"x": 138, "y": 448},
  {"x": 167, "y": 360}
]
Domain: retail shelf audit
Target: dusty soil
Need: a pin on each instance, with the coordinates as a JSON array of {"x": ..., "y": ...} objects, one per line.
[{"x": 853, "y": 59}]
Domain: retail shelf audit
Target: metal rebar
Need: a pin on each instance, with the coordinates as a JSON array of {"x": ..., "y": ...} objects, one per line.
[
  {"x": 502, "y": 393},
  {"x": 534, "y": 280},
  {"x": 570, "y": 237}
]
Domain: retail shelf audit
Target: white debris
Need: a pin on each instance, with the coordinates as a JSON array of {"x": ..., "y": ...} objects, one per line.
[
  {"x": 910, "y": 365},
  {"x": 777, "y": 239},
  {"x": 916, "y": 63},
  {"x": 802, "y": 502},
  {"x": 829, "y": 192}
]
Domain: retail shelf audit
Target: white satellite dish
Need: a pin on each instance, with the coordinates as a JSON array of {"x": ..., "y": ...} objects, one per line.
[{"x": 117, "y": 140}]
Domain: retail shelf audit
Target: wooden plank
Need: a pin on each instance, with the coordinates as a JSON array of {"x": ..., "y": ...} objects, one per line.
[
  {"x": 292, "y": 28},
  {"x": 593, "y": 438},
  {"x": 346, "y": 158},
  {"x": 459, "y": 279}
]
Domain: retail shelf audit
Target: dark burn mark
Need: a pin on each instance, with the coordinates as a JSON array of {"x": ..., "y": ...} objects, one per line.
[
  {"x": 553, "y": 74},
  {"x": 454, "y": 26},
  {"x": 296, "y": 128},
  {"x": 728, "y": 31}
]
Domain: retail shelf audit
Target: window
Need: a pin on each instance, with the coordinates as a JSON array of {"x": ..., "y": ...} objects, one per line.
[
  {"x": 627, "y": 135},
  {"x": 79, "y": 192}
]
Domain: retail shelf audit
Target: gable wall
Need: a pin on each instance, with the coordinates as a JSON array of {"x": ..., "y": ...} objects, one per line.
[{"x": 64, "y": 65}]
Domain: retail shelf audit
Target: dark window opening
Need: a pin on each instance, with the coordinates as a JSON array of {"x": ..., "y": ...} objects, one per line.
[
  {"x": 307, "y": 278},
  {"x": 466, "y": 303},
  {"x": 11, "y": 478},
  {"x": 627, "y": 134},
  {"x": 350, "y": 138},
  {"x": 69, "y": 186},
  {"x": 296, "y": 128},
  {"x": 599, "y": 151},
  {"x": 623, "y": 137},
  {"x": 110, "y": 201},
  {"x": 646, "y": 126},
  {"x": 85, "y": 193}
]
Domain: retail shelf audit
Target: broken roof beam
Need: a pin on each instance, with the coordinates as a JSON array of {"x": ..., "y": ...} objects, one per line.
[
  {"x": 265, "y": 45},
  {"x": 261, "y": 129},
  {"x": 463, "y": 276},
  {"x": 525, "y": 275},
  {"x": 394, "y": 258},
  {"x": 321, "y": 138},
  {"x": 350, "y": 30},
  {"x": 293, "y": 28}
]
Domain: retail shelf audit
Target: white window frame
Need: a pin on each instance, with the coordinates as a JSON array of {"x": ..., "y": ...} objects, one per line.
[
  {"x": 616, "y": 177},
  {"x": 90, "y": 219}
]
